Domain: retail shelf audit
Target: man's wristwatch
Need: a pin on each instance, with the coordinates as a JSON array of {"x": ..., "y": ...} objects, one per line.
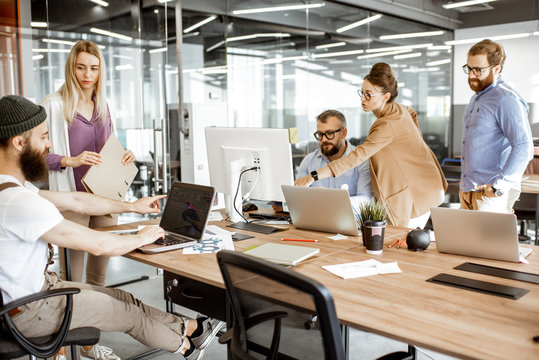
[
  {"x": 497, "y": 192},
  {"x": 314, "y": 174}
]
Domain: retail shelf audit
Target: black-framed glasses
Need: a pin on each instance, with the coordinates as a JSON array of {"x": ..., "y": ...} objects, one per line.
[
  {"x": 330, "y": 134},
  {"x": 367, "y": 95},
  {"x": 476, "y": 70}
]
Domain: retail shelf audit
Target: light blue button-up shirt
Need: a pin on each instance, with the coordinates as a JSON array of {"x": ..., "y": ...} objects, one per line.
[
  {"x": 357, "y": 179},
  {"x": 496, "y": 142}
]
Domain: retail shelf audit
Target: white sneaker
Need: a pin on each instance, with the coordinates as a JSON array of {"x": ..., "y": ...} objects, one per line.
[{"x": 98, "y": 352}]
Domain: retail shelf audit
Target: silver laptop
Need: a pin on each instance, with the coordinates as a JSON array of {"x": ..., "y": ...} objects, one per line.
[
  {"x": 477, "y": 233},
  {"x": 320, "y": 209},
  {"x": 185, "y": 217}
]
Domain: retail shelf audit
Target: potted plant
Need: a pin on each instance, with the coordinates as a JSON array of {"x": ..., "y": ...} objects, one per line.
[{"x": 373, "y": 224}]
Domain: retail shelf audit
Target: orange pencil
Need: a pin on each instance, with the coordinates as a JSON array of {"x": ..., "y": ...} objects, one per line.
[
  {"x": 305, "y": 240},
  {"x": 394, "y": 242},
  {"x": 401, "y": 244}
]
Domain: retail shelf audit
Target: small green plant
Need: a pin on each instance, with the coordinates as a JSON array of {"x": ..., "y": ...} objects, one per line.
[{"x": 372, "y": 210}]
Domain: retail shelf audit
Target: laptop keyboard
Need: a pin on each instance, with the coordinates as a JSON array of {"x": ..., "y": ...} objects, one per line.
[{"x": 169, "y": 240}]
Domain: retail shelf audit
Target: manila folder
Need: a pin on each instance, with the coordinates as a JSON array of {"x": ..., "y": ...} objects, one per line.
[{"x": 111, "y": 178}]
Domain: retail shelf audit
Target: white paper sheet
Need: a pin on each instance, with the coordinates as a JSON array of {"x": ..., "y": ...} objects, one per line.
[
  {"x": 215, "y": 239},
  {"x": 363, "y": 268},
  {"x": 338, "y": 237}
]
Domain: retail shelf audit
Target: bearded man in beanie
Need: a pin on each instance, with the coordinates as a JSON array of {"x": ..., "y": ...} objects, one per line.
[{"x": 30, "y": 221}]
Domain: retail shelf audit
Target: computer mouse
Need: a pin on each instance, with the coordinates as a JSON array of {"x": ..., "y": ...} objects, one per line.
[{"x": 249, "y": 207}]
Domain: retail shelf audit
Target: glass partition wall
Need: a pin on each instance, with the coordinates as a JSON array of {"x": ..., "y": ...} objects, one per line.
[{"x": 270, "y": 67}]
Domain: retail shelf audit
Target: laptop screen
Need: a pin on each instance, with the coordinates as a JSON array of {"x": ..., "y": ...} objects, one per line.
[{"x": 187, "y": 209}]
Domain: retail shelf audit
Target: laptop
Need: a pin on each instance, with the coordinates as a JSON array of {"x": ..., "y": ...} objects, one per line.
[
  {"x": 477, "y": 233},
  {"x": 321, "y": 209},
  {"x": 185, "y": 217}
]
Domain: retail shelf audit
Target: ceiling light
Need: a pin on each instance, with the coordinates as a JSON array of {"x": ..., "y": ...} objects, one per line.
[
  {"x": 280, "y": 60},
  {"x": 337, "y": 62},
  {"x": 38, "y": 24},
  {"x": 124, "y": 67},
  {"x": 157, "y": 50},
  {"x": 368, "y": 56},
  {"x": 401, "y": 84},
  {"x": 500, "y": 37},
  {"x": 339, "y": 53},
  {"x": 200, "y": 23},
  {"x": 440, "y": 47},
  {"x": 100, "y": 2},
  {"x": 416, "y": 70},
  {"x": 288, "y": 77},
  {"x": 392, "y": 48},
  {"x": 110, "y": 34},
  {"x": 536, "y": 33},
  {"x": 407, "y": 56},
  {"x": 52, "y": 50},
  {"x": 246, "y": 37},
  {"x": 278, "y": 8},
  {"x": 327, "y": 46},
  {"x": 438, "y": 62},
  {"x": 359, "y": 23},
  {"x": 163, "y": 1},
  {"x": 453, "y": 5},
  {"x": 37, "y": 57},
  {"x": 63, "y": 42},
  {"x": 412, "y": 35}
]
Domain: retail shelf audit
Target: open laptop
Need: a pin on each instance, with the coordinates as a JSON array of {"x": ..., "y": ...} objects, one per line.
[
  {"x": 477, "y": 233},
  {"x": 320, "y": 209},
  {"x": 185, "y": 217}
]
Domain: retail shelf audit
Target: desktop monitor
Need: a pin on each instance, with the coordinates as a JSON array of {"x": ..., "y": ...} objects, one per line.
[{"x": 232, "y": 150}]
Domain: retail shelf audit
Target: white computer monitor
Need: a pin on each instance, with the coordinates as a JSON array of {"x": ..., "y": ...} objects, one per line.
[{"x": 232, "y": 150}]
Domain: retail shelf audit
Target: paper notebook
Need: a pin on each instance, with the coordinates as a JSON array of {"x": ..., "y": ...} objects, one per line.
[
  {"x": 110, "y": 179},
  {"x": 283, "y": 254}
]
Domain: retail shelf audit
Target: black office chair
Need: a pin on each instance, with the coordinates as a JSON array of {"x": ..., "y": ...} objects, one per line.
[
  {"x": 270, "y": 305},
  {"x": 14, "y": 344}
]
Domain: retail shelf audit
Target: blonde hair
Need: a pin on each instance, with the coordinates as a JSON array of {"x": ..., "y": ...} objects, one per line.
[{"x": 71, "y": 92}]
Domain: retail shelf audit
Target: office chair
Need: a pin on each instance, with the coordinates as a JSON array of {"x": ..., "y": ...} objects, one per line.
[
  {"x": 14, "y": 344},
  {"x": 269, "y": 305}
]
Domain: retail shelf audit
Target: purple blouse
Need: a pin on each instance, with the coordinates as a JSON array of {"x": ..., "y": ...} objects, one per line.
[{"x": 84, "y": 135}]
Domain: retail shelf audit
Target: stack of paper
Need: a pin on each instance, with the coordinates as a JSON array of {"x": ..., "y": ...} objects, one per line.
[{"x": 363, "y": 268}]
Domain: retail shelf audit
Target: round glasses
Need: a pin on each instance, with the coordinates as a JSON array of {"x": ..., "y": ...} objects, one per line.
[
  {"x": 476, "y": 70},
  {"x": 330, "y": 134},
  {"x": 367, "y": 95}
]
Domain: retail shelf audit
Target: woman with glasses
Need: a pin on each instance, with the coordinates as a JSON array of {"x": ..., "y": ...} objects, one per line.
[
  {"x": 405, "y": 174},
  {"x": 80, "y": 122}
]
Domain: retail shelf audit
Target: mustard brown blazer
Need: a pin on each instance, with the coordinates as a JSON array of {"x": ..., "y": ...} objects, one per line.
[{"x": 405, "y": 174}]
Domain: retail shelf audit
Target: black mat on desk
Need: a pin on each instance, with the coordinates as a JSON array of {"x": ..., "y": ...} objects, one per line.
[
  {"x": 479, "y": 286},
  {"x": 499, "y": 272},
  {"x": 254, "y": 227}
]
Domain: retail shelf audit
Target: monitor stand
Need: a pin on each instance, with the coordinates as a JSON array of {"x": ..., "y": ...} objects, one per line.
[{"x": 254, "y": 227}]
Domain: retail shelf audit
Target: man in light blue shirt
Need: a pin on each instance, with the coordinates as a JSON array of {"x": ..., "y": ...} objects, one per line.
[
  {"x": 496, "y": 143},
  {"x": 331, "y": 133}
]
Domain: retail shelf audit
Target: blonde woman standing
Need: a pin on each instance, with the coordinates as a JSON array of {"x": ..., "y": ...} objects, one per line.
[{"x": 80, "y": 123}]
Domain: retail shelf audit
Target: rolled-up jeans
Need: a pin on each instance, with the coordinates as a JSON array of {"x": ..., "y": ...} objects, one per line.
[{"x": 103, "y": 308}]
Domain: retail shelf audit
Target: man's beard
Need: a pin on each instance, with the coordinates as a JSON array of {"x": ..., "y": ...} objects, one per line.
[
  {"x": 331, "y": 151},
  {"x": 33, "y": 163},
  {"x": 480, "y": 85}
]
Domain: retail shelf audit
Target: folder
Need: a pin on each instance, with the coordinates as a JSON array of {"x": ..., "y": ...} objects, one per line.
[
  {"x": 289, "y": 255},
  {"x": 111, "y": 178}
]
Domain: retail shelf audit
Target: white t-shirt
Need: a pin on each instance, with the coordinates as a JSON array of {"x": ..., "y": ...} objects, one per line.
[{"x": 24, "y": 218}]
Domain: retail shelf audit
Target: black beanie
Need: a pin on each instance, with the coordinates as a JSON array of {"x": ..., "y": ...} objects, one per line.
[{"x": 18, "y": 115}]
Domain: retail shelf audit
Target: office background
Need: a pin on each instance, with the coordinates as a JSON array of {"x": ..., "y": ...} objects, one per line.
[{"x": 266, "y": 69}]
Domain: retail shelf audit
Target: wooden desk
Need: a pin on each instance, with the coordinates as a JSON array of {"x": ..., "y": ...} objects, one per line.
[
  {"x": 530, "y": 185},
  {"x": 404, "y": 306}
]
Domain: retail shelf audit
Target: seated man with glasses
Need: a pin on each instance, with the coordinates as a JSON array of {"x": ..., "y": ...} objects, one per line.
[{"x": 331, "y": 133}]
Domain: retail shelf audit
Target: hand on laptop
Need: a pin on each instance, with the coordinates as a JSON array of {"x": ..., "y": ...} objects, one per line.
[
  {"x": 151, "y": 233},
  {"x": 148, "y": 205},
  {"x": 304, "y": 181}
]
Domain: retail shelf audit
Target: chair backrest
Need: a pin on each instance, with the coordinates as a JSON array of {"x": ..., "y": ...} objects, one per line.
[{"x": 259, "y": 290}]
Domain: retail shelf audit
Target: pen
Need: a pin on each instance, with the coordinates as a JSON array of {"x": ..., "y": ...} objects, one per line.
[
  {"x": 401, "y": 244},
  {"x": 394, "y": 242},
  {"x": 306, "y": 240}
]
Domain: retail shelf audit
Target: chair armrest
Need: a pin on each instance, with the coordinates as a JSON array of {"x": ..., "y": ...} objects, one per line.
[
  {"x": 37, "y": 296},
  {"x": 51, "y": 347}
]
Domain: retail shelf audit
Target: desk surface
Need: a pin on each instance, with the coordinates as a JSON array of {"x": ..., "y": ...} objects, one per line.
[
  {"x": 530, "y": 184},
  {"x": 404, "y": 306}
]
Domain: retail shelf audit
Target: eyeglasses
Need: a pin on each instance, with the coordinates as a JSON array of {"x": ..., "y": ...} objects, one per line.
[
  {"x": 330, "y": 134},
  {"x": 367, "y": 95},
  {"x": 476, "y": 71}
]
